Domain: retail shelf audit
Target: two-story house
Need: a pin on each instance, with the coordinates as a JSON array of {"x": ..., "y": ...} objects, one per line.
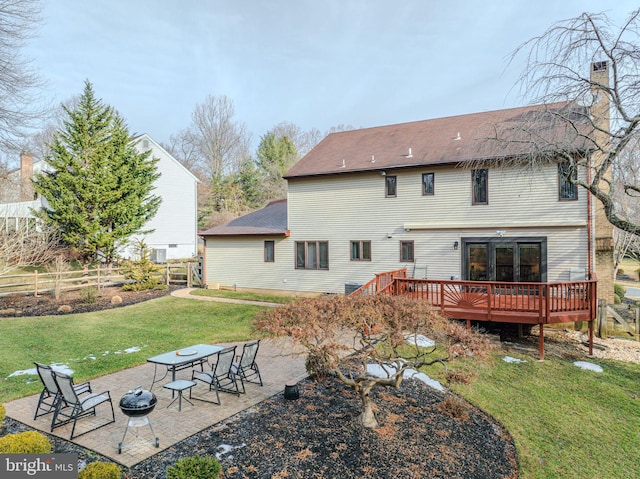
[
  {"x": 437, "y": 197},
  {"x": 173, "y": 230}
]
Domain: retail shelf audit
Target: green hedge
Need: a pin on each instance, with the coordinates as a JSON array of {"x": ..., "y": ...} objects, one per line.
[
  {"x": 198, "y": 467},
  {"x": 29, "y": 442}
]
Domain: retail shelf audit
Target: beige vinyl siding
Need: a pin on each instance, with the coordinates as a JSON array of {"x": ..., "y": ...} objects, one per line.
[
  {"x": 238, "y": 261},
  {"x": 354, "y": 207}
]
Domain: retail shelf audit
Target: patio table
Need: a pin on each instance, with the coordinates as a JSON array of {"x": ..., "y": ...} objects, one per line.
[{"x": 188, "y": 357}]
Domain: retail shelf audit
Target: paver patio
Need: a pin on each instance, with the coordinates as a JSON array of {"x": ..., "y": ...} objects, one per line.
[{"x": 277, "y": 366}]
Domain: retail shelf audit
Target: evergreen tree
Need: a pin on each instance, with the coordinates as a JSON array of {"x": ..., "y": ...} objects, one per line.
[{"x": 98, "y": 187}]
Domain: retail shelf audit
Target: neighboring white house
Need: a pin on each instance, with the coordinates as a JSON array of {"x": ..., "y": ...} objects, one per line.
[
  {"x": 175, "y": 233},
  {"x": 414, "y": 195}
]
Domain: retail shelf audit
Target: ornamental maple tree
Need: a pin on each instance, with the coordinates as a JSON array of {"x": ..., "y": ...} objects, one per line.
[{"x": 381, "y": 330}]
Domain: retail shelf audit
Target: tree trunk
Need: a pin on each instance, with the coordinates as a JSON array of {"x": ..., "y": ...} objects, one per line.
[{"x": 367, "y": 418}]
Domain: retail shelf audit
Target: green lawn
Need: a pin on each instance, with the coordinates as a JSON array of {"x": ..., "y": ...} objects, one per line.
[
  {"x": 88, "y": 342},
  {"x": 219, "y": 293},
  {"x": 566, "y": 422}
]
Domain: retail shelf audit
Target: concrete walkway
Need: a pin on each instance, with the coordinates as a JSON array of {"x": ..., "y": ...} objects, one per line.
[{"x": 278, "y": 367}]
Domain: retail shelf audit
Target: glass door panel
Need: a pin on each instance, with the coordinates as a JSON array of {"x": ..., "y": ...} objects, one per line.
[
  {"x": 504, "y": 263},
  {"x": 478, "y": 262},
  {"x": 529, "y": 262}
]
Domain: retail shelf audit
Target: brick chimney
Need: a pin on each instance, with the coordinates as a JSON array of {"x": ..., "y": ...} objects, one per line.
[
  {"x": 26, "y": 176},
  {"x": 602, "y": 229}
]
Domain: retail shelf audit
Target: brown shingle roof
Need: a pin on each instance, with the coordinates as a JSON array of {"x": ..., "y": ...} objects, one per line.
[
  {"x": 270, "y": 220},
  {"x": 453, "y": 139}
]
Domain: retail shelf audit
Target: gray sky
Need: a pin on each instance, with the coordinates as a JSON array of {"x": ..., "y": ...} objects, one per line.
[{"x": 315, "y": 63}]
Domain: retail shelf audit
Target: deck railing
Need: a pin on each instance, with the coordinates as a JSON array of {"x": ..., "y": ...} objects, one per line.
[{"x": 494, "y": 301}]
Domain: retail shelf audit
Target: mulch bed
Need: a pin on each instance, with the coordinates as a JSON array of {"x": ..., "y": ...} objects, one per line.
[
  {"x": 423, "y": 433},
  {"x": 79, "y": 301}
]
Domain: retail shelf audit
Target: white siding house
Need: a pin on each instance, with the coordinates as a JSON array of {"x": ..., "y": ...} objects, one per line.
[
  {"x": 402, "y": 196},
  {"x": 174, "y": 226},
  {"x": 175, "y": 230}
]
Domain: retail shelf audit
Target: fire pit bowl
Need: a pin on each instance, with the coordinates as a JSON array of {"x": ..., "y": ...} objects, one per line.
[{"x": 138, "y": 402}]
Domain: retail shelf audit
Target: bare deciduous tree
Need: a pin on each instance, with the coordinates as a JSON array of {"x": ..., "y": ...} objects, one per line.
[
  {"x": 214, "y": 144},
  {"x": 595, "y": 65},
  {"x": 381, "y": 330},
  {"x": 24, "y": 244},
  {"x": 19, "y": 83}
]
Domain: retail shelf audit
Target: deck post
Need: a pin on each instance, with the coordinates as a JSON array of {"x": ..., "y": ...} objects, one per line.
[
  {"x": 468, "y": 325},
  {"x": 591, "y": 337},
  {"x": 541, "y": 341}
]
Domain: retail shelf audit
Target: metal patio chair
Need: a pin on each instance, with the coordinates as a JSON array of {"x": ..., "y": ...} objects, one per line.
[
  {"x": 73, "y": 407},
  {"x": 246, "y": 367},
  {"x": 221, "y": 377},
  {"x": 50, "y": 395}
]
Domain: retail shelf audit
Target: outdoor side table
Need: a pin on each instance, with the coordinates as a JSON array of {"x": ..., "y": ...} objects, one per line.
[{"x": 180, "y": 385}]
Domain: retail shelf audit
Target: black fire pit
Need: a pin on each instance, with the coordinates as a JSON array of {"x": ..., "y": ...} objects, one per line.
[{"x": 137, "y": 404}]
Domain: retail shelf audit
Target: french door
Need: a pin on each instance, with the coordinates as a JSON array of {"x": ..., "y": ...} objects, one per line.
[{"x": 505, "y": 259}]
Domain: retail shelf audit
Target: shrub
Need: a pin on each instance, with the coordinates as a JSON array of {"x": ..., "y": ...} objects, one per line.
[
  {"x": 116, "y": 300},
  {"x": 100, "y": 470},
  {"x": 29, "y": 442},
  {"x": 619, "y": 290},
  {"x": 89, "y": 295},
  {"x": 3, "y": 413},
  {"x": 65, "y": 308},
  {"x": 198, "y": 467},
  {"x": 142, "y": 272}
]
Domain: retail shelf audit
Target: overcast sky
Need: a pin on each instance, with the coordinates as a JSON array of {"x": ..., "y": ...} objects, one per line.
[{"x": 314, "y": 63}]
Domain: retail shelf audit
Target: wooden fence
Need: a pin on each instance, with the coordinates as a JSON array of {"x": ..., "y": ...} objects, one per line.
[{"x": 56, "y": 282}]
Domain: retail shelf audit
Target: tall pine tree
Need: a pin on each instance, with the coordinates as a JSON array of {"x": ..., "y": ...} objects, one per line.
[{"x": 98, "y": 187}]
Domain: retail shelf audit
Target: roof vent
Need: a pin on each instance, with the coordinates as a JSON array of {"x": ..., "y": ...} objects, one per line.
[
  {"x": 458, "y": 137},
  {"x": 373, "y": 159},
  {"x": 408, "y": 155},
  {"x": 344, "y": 163}
]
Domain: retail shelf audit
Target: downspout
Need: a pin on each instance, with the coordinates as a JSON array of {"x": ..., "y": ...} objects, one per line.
[{"x": 589, "y": 224}]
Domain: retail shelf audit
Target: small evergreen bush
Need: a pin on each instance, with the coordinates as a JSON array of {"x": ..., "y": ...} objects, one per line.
[
  {"x": 100, "y": 470},
  {"x": 89, "y": 295},
  {"x": 197, "y": 467},
  {"x": 143, "y": 272},
  {"x": 619, "y": 290},
  {"x": 3, "y": 413},
  {"x": 29, "y": 442}
]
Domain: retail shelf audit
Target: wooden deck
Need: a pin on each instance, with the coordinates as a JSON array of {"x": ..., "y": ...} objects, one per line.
[{"x": 516, "y": 303}]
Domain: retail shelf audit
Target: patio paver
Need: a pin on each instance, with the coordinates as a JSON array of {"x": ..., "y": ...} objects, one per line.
[{"x": 277, "y": 366}]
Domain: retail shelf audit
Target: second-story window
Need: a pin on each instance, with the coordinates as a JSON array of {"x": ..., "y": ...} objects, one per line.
[
  {"x": 428, "y": 184},
  {"x": 566, "y": 174},
  {"x": 390, "y": 186},
  {"x": 480, "y": 186}
]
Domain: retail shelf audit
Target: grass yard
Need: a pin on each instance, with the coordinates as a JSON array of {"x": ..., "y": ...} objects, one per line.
[
  {"x": 220, "y": 293},
  {"x": 566, "y": 422},
  {"x": 94, "y": 344}
]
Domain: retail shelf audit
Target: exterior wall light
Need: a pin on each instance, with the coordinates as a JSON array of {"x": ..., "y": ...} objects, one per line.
[{"x": 455, "y": 245}]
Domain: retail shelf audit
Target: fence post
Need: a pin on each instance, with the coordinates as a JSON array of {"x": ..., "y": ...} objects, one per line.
[
  {"x": 188, "y": 275},
  {"x": 35, "y": 283},
  {"x": 168, "y": 274},
  {"x": 98, "y": 277},
  {"x": 602, "y": 318}
]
